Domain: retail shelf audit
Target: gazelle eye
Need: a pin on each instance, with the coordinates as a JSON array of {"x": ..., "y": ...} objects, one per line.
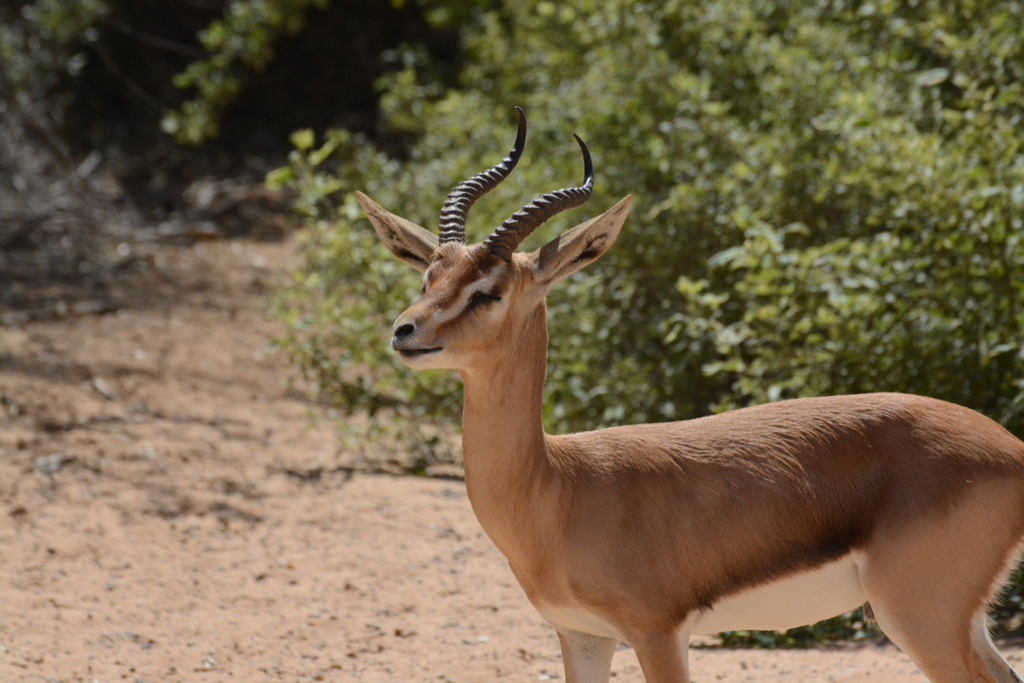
[{"x": 483, "y": 299}]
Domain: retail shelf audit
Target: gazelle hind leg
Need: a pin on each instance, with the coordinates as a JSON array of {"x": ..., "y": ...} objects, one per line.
[
  {"x": 946, "y": 651},
  {"x": 998, "y": 666},
  {"x": 929, "y": 583},
  {"x": 587, "y": 658}
]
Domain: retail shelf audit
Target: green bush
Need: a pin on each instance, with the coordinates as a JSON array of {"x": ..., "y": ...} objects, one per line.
[
  {"x": 184, "y": 67},
  {"x": 46, "y": 41},
  {"x": 43, "y": 39},
  {"x": 828, "y": 199},
  {"x": 241, "y": 40},
  {"x": 241, "y": 43}
]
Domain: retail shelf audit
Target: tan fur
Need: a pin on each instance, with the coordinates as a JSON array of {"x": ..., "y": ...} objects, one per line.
[{"x": 633, "y": 531}]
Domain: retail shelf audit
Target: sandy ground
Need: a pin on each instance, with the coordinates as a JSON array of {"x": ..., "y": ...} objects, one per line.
[{"x": 170, "y": 510}]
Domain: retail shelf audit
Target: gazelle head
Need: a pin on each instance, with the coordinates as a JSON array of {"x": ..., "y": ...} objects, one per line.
[{"x": 476, "y": 295}]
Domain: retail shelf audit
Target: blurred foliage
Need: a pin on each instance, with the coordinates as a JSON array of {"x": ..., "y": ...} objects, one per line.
[
  {"x": 191, "y": 65},
  {"x": 850, "y": 626},
  {"x": 48, "y": 38},
  {"x": 45, "y": 38},
  {"x": 242, "y": 39},
  {"x": 828, "y": 199}
]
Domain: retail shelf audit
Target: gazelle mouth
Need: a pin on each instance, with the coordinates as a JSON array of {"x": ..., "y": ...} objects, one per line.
[{"x": 411, "y": 353}]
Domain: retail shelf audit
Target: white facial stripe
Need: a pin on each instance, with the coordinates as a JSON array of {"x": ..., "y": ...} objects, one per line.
[{"x": 485, "y": 285}]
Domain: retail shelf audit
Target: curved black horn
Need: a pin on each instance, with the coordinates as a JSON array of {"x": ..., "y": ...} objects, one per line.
[
  {"x": 456, "y": 206},
  {"x": 517, "y": 227}
]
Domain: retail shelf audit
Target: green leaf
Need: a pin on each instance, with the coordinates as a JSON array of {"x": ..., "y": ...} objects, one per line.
[
  {"x": 303, "y": 140},
  {"x": 280, "y": 177},
  {"x": 932, "y": 77}
]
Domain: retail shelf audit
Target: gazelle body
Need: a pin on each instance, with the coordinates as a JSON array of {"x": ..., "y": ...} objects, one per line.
[{"x": 764, "y": 518}]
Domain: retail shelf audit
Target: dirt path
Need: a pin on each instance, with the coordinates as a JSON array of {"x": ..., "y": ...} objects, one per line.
[{"x": 168, "y": 512}]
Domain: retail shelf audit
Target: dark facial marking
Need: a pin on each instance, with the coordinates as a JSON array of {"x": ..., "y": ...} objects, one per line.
[{"x": 483, "y": 299}]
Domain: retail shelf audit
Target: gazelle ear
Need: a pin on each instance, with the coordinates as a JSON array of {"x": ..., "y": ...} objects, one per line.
[
  {"x": 406, "y": 240},
  {"x": 575, "y": 248}
]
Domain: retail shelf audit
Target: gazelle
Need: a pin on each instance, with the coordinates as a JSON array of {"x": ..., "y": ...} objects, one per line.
[{"x": 763, "y": 518}]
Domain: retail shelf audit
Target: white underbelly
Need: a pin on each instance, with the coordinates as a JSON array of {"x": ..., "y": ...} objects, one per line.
[{"x": 796, "y": 600}]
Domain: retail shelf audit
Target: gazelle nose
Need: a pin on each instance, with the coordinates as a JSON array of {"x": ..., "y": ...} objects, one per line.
[{"x": 404, "y": 330}]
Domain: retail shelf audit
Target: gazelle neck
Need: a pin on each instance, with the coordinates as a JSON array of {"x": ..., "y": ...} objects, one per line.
[{"x": 503, "y": 441}]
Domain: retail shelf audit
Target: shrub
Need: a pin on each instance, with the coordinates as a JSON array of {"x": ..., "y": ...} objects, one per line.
[
  {"x": 827, "y": 200},
  {"x": 44, "y": 39}
]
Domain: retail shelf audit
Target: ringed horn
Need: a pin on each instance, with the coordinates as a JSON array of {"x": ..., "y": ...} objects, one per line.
[{"x": 511, "y": 233}]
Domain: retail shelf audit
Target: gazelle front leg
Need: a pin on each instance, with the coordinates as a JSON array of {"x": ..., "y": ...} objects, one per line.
[
  {"x": 587, "y": 658},
  {"x": 664, "y": 657}
]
